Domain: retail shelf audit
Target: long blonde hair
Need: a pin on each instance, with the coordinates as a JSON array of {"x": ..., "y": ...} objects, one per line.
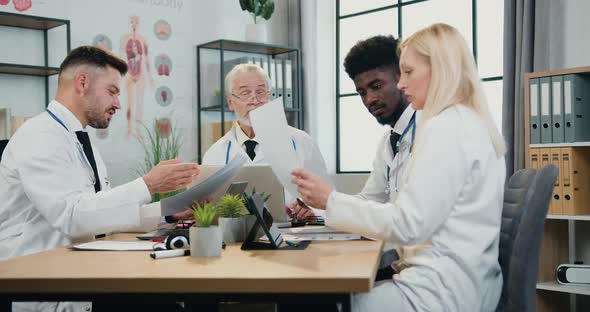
[{"x": 454, "y": 77}]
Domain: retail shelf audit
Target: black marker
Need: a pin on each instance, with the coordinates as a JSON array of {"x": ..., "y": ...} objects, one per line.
[{"x": 170, "y": 253}]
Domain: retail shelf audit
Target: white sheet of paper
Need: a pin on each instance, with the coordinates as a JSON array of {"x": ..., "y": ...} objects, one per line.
[
  {"x": 272, "y": 133},
  {"x": 309, "y": 230},
  {"x": 116, "y": 245},
  {"x": 318, "y": 237},
  {"x": 203, "y": 190}
]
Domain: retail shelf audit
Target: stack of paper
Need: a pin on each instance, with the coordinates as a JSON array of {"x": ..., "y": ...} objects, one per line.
[{"x": 317, "y": 233}]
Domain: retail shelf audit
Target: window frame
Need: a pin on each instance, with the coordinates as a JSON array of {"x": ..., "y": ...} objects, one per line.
[{"x": 399, "y": 5}]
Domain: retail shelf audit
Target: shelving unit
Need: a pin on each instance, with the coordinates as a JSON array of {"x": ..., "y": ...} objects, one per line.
[
  {"x": 565, "y": 217},
  {"x": 43, "y": 24},
  {"x": 564, "y": 236},
  {"x": 555, "y": 286},
  {"x": 211, "y": 80}
]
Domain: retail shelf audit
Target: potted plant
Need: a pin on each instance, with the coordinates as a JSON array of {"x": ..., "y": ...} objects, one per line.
[
  {"x": 162, "y": 143},
  {"x": 257, "y": 8},
  {"x": 231, "y": 210},
  {"x": 205, "y": 238}
]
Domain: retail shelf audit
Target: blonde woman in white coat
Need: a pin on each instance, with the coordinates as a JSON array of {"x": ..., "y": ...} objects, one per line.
[{"x": 453, "y": 188}]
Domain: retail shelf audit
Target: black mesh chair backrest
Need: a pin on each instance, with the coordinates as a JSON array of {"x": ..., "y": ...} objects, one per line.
[
  {"x": 3, "y": 144},
  {"x": 526, "y": 201}
]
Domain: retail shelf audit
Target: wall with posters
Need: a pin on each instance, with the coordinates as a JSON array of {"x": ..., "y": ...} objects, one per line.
[{"x": 156, "y": 37}]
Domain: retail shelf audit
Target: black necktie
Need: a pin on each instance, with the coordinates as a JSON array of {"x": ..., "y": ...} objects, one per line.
[
  {"x": 85, "y": 141},
  {"x": 250, "y": 145},
  {"x": 393, "y": 137}
]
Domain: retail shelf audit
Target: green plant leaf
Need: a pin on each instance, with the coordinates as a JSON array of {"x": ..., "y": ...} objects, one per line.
[
  {"x": 156, "y": 149},
  {"x": 231, "y": 206},
  {"x": 262, "y": 8},
  {"x": 244, "y": 5},
  {"x": 267, "y": 10},
  {"x": 205, "y": 214}
]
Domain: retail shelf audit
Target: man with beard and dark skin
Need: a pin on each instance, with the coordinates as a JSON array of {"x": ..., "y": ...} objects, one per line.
[
  {"x": 373, "y": 65},
  {"x": 53, "y": 183}
]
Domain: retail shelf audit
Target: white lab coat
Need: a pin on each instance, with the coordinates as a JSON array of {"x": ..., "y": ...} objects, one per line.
[
  {"x": 48, "y": 197},
  {"x": 384, "y": 182},
  {"x": 452, "y": 195},
  {"x": 381, "y": 184},
  {"x": 306, "y": 150}
]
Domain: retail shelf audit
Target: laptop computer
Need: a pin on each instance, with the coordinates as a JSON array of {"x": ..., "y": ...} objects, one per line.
[{"x": 260, "y": 178}]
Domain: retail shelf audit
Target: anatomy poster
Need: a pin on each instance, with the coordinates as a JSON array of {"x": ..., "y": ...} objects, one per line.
[{"x": 154, "y": 39}]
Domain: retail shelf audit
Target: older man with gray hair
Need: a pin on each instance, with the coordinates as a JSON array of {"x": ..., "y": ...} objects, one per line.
[{"x": 247, "y": 88}]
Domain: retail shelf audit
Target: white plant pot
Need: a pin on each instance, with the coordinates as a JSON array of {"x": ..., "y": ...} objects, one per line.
[
  {"x": 233, "y": 229},
  {"x": 256, "y": 33},
  {"x": 205, "y": 241}
]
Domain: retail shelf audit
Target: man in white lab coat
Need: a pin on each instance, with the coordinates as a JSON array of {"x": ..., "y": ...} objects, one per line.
[
  {"x": 54, "y": 186},
  {"x": 246, "y": 88},
  {"x": 373, "y": 65}
]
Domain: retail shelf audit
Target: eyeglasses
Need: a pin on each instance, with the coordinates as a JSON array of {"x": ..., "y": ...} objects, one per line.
[{"x": 261, "y": 95}]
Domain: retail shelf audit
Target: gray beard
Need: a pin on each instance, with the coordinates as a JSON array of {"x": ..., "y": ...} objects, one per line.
[{"x": 245, "y": 121}]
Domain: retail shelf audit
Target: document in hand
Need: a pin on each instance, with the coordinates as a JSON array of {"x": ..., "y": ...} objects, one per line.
[
  {"x": 203, "y": 190},
  {"x": 273, "y": 135}
]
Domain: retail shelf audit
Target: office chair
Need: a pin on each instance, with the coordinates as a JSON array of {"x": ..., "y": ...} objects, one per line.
[
  {"x": 526, "y": 201},
  {"x": 3, "y": 144}
]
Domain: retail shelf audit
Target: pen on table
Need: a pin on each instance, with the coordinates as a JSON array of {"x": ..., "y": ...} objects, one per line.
[{"x": 170, "y": 253}]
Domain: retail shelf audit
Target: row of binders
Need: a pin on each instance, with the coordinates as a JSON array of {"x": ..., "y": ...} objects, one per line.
[
  {"x": 571, "y": 192},
  {"x": 560, "y": 109},
  {"x": 280, "y": 72}
]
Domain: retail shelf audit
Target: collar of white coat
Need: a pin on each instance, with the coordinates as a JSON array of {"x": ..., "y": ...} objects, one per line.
[
  {"x": 404, "y": 120},
  {"x": 241, "y": 136},
  {"x": 65, "y": 115}
]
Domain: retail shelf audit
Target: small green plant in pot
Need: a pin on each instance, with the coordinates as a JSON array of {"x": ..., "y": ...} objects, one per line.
[
  {"x": 162, "y": 142},
  {"x": 256, "y": 32},
  {"x": 258, "y": 8},
  {"x": 231, "y": 209},
  {"x": 205, "y": 238}
]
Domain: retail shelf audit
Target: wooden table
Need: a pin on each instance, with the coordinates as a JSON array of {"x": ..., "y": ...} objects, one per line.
[{"x": 325, "y": 271}]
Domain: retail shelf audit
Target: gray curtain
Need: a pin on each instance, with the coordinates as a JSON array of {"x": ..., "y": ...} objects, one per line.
[
  {"x": 519, "y": 27},
  {"x": 533, "y": 41},
  {"x": 294, "y": 23}
]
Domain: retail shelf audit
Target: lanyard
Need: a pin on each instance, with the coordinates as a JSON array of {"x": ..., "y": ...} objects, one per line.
[
  {"x": 82, "y": 156},
  {"x": 229, "y": 148},
  {"x": 411, "y": 124},
  {"x": 57, "y": 119}
]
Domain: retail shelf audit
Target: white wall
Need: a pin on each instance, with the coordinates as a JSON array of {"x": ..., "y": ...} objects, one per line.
[
  {"x": 576, "y": 34},
  {"x": 319, "y": 50},
  {"x": 193, "y": 22}
]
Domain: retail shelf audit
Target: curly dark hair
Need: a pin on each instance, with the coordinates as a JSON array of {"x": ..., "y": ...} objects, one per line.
[
  {"x": 375, "y": 52},
  {"x": 89, "y": 55}
]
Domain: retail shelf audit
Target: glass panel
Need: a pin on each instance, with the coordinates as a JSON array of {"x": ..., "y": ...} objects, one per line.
[
  {"x": 354, "y": 29},
  {"x": 456, "y": 13},
  {"x": 359, "y": 135},
  {"x": 355, "y": 6},
  {"x": 490, "y": 22},
  {"x": 493, "y": 92}
]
